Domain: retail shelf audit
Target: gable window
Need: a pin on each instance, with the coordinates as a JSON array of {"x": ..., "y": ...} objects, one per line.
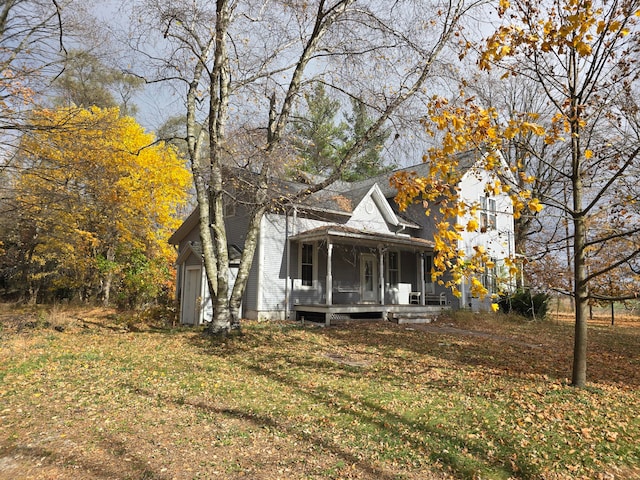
[
  {"x": 229, "y": 209},
  {"x": 393, "y": 268},
  {"x": 306, "y": 265},
  {"x": 487, "y": 214}
]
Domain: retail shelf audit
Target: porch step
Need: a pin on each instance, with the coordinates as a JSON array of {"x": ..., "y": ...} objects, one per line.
[{"x": 402, "y": 318}]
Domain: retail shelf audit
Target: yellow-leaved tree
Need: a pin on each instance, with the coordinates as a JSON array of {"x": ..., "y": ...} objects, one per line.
[
  {"x": 465, "y": 129},
  {"x": 584, "y": 55},
  {"x": 97, "y": 199}
]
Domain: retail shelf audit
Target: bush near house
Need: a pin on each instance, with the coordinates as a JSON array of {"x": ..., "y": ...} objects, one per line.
[{"x": 525, "y": 304}]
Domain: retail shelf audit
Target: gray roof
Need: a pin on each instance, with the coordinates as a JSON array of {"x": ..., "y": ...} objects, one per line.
[
  {"x": 341, "y": 197},
  {"x": 357, "y": 235},
  {"x": 465, "y": 161}
]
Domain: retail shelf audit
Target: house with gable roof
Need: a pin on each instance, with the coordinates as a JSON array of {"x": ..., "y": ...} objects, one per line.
[{"x": 347, "y": 252}]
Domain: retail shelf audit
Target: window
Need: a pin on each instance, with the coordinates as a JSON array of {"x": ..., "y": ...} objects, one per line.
[
  {"x": 489, "y": 276},
  {"x": 229, "y": 207},
  {"x": 393, "y": 268},
  {"x": 428, "y": 268},
  {"x": 428, "y": 271},
  {"x": 306, "y": 263},
  {"x": 487, "y": 214}
]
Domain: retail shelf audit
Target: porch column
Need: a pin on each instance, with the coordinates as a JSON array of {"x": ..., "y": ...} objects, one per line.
[
  {"x": 381, "y": 275},
  {"x": 329, "y": 295},
  {"x": 423, "y": 290}
]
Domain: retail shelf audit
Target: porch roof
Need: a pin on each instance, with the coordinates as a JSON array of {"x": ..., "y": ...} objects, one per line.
[{"x": 342, "y": 234}]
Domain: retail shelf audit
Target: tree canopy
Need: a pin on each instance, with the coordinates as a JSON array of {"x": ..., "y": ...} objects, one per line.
[
  {"x": 583, "y": 56},
  {"x": 321, "y": 140},
  {"x": 93, "y": 194}
]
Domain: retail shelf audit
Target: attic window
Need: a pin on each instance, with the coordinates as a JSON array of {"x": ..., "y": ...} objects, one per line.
[
  {"x": 235, "y": 252},
  {"x": 487, "y": 214}
]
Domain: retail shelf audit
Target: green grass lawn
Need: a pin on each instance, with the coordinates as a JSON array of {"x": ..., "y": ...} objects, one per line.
[{"x": 470, "y": 398}]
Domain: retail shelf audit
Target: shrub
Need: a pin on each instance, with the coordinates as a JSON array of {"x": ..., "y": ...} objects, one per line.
[{"x": 525, "y": 304}]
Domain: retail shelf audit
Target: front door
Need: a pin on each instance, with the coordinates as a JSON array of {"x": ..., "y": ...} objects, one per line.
[{"x": 369, "y": 278}]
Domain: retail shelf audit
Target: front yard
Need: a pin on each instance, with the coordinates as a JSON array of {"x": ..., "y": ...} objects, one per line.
[{"x": 84, "y": 396}]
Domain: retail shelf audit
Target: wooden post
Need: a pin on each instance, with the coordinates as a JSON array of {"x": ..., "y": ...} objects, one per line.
[
  {"x": 612, "y": 314},
  {"x": 329, "y": 296},
  {"x": 381, "y": 275},
  {"x": 423, "y": 290}
]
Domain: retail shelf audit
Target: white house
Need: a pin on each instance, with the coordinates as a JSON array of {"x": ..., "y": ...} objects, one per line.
[{"x": 344, "y": 252}]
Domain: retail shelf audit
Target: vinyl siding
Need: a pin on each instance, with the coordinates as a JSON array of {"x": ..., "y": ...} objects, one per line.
[
  {"x": 367, "y": 216},
  {"x": 236, "y": 234},
  {"x": 271, "y": 261}
]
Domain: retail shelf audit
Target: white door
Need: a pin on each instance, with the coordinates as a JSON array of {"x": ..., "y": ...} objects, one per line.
[
  {"x": 369, "y": 278},
  {"x": 191, "y": 298}
]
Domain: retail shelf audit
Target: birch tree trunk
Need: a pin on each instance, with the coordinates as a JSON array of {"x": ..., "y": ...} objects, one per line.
[{"x": 245, "y": 52}]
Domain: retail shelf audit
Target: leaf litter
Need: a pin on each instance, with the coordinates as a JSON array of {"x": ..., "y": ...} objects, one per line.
[{"x": 365, "y": 400}]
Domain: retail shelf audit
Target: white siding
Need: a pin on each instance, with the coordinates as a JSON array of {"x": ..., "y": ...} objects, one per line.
[
  {"x": 498, "y": 241},
  {"x": 367, "y": 216},
  {"x": 272, "y": 267}
]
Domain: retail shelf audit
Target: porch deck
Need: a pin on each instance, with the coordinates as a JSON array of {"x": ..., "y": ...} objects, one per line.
[{"x": 395, "y": 313}]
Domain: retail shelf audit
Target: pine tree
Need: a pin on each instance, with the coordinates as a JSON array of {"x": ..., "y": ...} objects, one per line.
[
  {"x": 317, "y": 138},
  {"x": 369, "y": 163}
]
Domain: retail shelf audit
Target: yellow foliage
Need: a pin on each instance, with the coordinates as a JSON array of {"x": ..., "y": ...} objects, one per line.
[
  {"x": 577, "y": 26},
  {"x": 480, "y": 249},
  {"x": 461, "y": 129},
  {"x": 477, "y": 289},
  {"x": 535, "y": 205},
  {"x": 99, "y": 186}
]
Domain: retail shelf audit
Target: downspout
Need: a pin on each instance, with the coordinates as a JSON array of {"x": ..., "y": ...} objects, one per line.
[
  {"x": 381, "y": 275},
  {"x": 260, "y": 272},
  {"x": 288, "y": 267}
]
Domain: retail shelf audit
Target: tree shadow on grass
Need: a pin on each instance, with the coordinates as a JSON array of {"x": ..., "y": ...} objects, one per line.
[
  {"x": 81, "y": 464},
  {"x": 429, "y": 443},
  {"x": 608, "y": 362},
  {"x": 279, "y": 425},
  {"x": 408, "y": 431}
]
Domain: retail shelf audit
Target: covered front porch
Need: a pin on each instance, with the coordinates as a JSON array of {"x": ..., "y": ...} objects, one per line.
[{"x": 349, "y": 274}]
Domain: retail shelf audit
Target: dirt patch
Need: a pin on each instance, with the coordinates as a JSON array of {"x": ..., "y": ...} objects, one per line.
[
  {"x": 450, "y": 329},
  {"x": 343, "y": 360}
]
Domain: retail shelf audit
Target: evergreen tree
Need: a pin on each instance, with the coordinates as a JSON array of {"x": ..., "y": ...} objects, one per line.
[
  {"x": 368, "y": 164},
  {"x": 317, "y": 138},
  {"x": 322, "y": 142}
]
